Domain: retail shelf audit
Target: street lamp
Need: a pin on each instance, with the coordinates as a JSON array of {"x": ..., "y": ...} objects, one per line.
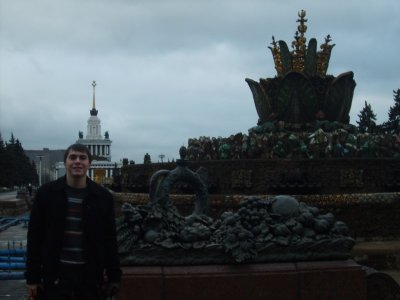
[{"x": 40, "y": 168}]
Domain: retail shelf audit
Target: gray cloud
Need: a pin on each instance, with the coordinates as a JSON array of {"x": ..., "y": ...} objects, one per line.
[{"x": 171, "y": 70}]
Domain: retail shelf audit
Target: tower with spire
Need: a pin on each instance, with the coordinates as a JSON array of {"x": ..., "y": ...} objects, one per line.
[
  {"x": 102, "y": 169},
  {"x": 98, "y": 144}
]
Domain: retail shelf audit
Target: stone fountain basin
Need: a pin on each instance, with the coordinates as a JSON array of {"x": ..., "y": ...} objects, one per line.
[{"x": 287, "y": 281}]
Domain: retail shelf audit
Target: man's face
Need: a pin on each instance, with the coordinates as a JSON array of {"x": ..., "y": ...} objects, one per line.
[{"x": 77, "y": 163}]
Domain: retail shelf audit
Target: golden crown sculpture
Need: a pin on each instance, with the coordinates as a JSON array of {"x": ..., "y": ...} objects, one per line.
[
  {"x": 302, "y": 58},
  {"x": 303, "y": 92}
]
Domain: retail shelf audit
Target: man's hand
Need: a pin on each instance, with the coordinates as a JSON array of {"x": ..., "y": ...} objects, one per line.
[
  {"x": 110, "y": 289},
  {"x": 33, "y": 290}
]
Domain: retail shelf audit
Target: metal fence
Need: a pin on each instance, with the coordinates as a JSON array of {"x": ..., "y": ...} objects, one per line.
[{"x": 12, "y": 253}]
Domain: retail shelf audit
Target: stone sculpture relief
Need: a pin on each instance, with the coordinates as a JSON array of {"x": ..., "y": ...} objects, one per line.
[{"x": 261, "y": 230}]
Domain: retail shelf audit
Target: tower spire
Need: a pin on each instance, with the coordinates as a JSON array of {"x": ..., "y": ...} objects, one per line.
[
  {"x": 93, "y": 111},
  {"x": 94, "y": 97}
]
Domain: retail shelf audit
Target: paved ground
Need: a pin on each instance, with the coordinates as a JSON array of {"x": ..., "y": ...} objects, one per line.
[
  {"x": 13, "y": 290},
  {"x": 8, "y": 195}
]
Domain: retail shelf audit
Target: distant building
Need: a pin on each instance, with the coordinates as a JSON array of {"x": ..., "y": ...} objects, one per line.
[
  {"x": 101, "y": 169},
  {"x": 99, "y": 147},
  {"x": 45, "y": 161}
]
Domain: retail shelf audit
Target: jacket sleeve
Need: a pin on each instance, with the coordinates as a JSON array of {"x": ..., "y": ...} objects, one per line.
[
  {"x": 35, "y": 235},
  {"x": 112, "y": 263}
]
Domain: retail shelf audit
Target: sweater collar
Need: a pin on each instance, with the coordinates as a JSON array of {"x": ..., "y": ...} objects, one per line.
[{"x": 61, "y": 184}]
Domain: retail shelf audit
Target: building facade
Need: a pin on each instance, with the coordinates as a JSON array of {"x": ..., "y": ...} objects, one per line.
[
  {"x": 102, "y": 169},
  {"x": 99, "y": 145}
]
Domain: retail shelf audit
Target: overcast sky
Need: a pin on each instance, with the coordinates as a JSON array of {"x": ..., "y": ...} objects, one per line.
[{"x": 167, "y": 71}]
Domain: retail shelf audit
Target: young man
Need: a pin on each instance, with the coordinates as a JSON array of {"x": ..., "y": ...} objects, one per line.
[{"x": 71, "y": 235}]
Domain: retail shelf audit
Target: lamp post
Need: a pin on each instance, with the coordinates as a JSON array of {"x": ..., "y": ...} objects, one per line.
[{"x": 40, "y": 168}]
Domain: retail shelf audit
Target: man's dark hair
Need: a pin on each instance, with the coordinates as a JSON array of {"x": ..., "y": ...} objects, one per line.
[{"x": 79, "y": 148}]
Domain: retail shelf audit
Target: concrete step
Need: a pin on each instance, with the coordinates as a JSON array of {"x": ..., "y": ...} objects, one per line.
[
  {"x": 394, "y": 274},
  {"x": 380, "y": 255}
]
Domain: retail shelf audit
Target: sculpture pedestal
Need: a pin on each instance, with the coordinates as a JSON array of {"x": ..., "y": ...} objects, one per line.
[{"x": 303, "y": 280}]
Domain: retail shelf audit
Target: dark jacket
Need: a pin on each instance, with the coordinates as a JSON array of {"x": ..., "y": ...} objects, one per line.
[{"x": 46, "y": 230}]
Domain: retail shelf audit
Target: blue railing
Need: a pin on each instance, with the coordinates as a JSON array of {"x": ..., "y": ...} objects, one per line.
[
  {"x": 12, "y": 261},
  {"x": 13, "y": 254}
]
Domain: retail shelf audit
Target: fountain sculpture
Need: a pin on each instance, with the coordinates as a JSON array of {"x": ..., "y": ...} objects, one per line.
[
  {"x": 302, "y": 145},
  {"x": 276, "y": 229}
]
